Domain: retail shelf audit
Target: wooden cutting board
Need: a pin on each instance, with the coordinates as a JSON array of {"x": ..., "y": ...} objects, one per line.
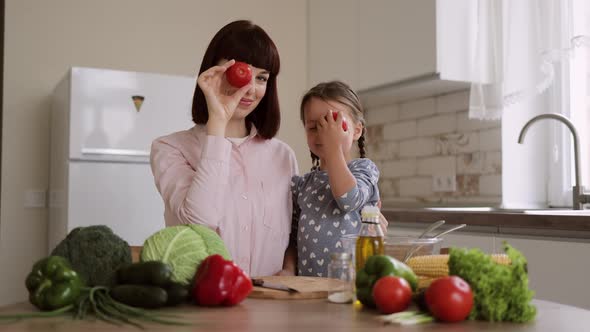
[{"x": 308, "y": 287}]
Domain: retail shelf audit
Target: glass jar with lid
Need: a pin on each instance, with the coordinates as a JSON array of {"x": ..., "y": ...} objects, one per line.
[{"x": 341, "y": 275}]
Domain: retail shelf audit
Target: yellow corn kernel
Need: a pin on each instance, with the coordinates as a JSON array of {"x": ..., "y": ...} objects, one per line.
[
  {"x": 436, "y": 266},
  {"x": 432, "y": 266}
]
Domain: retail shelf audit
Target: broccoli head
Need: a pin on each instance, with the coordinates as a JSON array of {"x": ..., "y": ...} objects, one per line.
[{"x": 95, "y": 252}]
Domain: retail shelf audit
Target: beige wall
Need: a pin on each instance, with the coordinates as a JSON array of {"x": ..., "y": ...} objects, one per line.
[{"x": 44, "y": 38}]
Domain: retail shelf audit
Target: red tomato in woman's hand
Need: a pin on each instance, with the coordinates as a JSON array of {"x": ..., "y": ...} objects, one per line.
[
  {"x": 239, "y": 74},
  {"x": 344, "y": 124},
  {"x": 449, "y": 299},
  {"x": 392, "y": 294}
]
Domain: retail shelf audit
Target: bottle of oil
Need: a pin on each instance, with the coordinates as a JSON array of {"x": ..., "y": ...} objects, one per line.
[{"x": 370, "y": 239}]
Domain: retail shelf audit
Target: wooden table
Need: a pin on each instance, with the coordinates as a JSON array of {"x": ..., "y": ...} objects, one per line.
[{"x": 305, "y": 315}]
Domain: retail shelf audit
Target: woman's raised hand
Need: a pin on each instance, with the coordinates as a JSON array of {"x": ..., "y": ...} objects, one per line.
[{"x": 221, "y": 104}]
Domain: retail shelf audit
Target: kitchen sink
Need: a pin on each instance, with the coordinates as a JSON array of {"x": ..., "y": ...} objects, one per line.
[
  {"x": 559, "y": 212},
  {"x": 566, "y": 212}
]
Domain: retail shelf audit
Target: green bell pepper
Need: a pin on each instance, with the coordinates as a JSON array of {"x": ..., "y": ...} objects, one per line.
[
  {"x": 53, "y": 284},
  {"x": 376, "y": 267}
]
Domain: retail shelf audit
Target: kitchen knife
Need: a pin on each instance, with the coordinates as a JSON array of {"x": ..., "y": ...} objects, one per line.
[{"x": 266, "y": 284}]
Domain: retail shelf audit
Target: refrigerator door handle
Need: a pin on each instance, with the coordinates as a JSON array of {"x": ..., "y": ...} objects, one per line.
[{"x": 115, "y": 152}]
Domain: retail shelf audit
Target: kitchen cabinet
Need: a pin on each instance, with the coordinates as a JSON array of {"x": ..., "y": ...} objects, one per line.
[
  {"x": 382, "y": 44},
  {"x": 397, "y": 40},
  {"x": 558, "y": 268},
  {"x": 333, "y": 41}
]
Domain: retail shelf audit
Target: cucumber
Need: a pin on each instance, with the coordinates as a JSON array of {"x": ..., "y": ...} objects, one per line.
[
  {"x": 177, "y": 293},
  {"x": 153, "y": 273},
  {"x": 140, "y": 296}
]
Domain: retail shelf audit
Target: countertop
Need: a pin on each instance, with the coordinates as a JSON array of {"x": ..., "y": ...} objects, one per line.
[
  {"x": 304, "y": 315},
  {"x": 543, "y": 222}
]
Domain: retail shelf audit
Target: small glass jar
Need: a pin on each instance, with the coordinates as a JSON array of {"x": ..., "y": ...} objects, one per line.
[{"x": 341, "y": 277}]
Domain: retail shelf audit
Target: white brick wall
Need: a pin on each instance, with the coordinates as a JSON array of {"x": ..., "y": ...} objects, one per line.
[
  {"x": 435, "y": 125},
  {"x": 436, "y": 165},
  {"x": 423, "y": 146},
  {"x": 417, "y": 186},
  {"x": 399, "y": 130},
  {"x": 381, "y": 115},
  {"x": 470, "y": 163},
  {"x": 492, "y": 162},
  {"x": 466, "y": 124},
  {"x": 388, "y": 188},
  {"x": 490, "y": 185},
  {"x": 399, "y": 168},
  {"x": 417, "y": 139},
  {"x": 457, "y": 143},
  {"x": 453, "y": 102},
  {"x": 417, "y": 109},
  {"x": 383, "y": 151}
]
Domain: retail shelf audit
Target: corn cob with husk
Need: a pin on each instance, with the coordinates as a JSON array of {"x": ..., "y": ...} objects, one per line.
[{"x": 431, "y": 267}]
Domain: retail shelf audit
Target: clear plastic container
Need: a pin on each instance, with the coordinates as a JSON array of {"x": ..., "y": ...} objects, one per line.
[
  {"x": 341, "y": 278},
  {"x": 399, "y": 247}
]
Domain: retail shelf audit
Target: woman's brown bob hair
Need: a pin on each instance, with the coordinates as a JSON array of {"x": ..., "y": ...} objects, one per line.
[{"x": 244, "y": 41}]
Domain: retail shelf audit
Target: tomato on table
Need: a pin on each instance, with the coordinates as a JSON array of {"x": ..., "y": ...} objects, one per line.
[
  {"x": 449, "y": 299},
  {"x": 392, "y": 294}
]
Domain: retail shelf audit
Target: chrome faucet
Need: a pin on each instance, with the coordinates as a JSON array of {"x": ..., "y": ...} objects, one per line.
[{"x": 580, "y": 196}]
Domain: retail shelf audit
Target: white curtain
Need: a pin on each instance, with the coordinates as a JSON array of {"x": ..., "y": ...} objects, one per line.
[
  {"x": 519, "y": 44},
  {"x": 528, "y": 59}
]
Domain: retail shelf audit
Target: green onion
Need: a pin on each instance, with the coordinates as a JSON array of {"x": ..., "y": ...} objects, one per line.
[
  {"x": 98, "y": 302},
  {"x": 407, "y": 318}
]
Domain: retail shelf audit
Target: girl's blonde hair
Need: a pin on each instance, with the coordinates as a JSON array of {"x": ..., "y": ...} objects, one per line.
[{"x": 341, "y": 93}]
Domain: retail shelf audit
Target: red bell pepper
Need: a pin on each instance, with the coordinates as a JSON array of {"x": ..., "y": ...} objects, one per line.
[{"x": 220, "y": 282}]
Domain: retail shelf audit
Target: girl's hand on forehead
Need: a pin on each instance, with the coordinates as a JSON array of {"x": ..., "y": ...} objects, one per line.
[
  {"x": 330, "y": 130},
  {"x": 221, "y": 105}
]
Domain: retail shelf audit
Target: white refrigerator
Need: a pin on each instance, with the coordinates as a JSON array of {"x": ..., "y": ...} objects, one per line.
[{"x": 103, "y": 124}]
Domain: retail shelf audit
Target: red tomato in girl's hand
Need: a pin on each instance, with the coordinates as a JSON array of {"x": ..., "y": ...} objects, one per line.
[
  {"x": 344, "y": 124},
  {"x": 449, "y": 299},
  {"x": 392, "y": 294},
  {"x": 239, "y": 74}
]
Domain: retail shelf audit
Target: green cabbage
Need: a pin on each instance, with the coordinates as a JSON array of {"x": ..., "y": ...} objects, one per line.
[{"x": 183, "y": 248}]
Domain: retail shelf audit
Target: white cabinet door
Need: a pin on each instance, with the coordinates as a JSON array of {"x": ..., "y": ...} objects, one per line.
[
  {"x": 333, "y": 41},
  {"x": 397, "y": 40},
  {"x": 120, "y": 195},
  {"x": 558, "y": 269}
]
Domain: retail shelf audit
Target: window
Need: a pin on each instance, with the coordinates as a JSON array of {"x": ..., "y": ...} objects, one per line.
[{"x": 571, "y": 95}]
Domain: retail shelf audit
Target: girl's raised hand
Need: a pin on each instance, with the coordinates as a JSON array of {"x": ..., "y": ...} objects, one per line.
[
  {"x": 220, "y": 104},
  {"x": 330, "y": 131}
]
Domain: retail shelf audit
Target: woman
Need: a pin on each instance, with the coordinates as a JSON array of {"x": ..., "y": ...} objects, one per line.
[{"x": 228, "y": 172}]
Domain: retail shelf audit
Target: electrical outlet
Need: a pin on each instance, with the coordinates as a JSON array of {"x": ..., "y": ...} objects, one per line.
[
  {"x": 35, "y": 198},
  {"x": 444, "y": 183}
]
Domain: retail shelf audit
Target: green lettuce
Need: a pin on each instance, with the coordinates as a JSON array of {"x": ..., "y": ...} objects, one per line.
[
  {"x": 500, "y": 292},
  {"x": 183, "y": 248}
]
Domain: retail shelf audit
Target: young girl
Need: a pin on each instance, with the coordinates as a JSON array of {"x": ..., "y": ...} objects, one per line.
[{"x": 328, "y": 200}]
